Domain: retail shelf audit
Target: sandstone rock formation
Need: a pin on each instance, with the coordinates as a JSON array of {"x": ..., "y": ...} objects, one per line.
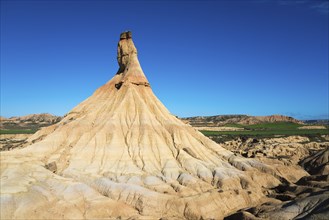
[
  {"x": 305, "y": 199},
  {"x": 121, "y": 154},
  {"x": 290, "y": 150}
]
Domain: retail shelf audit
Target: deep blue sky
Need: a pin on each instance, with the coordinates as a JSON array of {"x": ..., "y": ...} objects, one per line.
[{"x": 201, "y": 57}]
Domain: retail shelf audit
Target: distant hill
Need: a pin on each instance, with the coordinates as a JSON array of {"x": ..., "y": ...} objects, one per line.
[
  {"x": 32, "y": 121},
  {"x": 36, "y": 121},
  {"x": 220, "y": 120}
]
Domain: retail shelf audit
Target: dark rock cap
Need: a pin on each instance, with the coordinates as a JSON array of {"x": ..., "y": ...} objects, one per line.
[{"x": 126, "y": 35}]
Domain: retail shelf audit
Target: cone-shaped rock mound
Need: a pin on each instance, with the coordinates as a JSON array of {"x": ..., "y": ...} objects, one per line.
[{"x": 120, "y": 153}]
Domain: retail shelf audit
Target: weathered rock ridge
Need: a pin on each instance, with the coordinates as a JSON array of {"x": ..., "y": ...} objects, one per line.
[
  {"x": 306, "y": 198},
  {"x": 32, "y": 121},
  {"x": 120, "y": 153},
  {"x": 219, "y": 120}
]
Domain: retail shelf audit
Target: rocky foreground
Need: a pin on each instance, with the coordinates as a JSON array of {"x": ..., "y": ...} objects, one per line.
[
  {"x": 305, "y": 193},
  {"x": 305, "y": 197},
  {"x": 302, "y": 198},
  {"x": 13, "y": 141}
]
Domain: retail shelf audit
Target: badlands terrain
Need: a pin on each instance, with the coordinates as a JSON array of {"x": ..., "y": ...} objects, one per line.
[
  {"x": 16, "y": 130},
  {"x": 218, "y": 120},
  {"x": 120, "y": 154}
]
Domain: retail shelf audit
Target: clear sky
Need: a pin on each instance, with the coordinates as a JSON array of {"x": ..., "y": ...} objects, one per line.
[{"x": 201, "y": 57}]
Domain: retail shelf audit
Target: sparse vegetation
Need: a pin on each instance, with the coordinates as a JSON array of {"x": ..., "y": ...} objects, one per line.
[
  {"x": 28, "y": 124},
  {"x": 266, "y": 130},
  {"x": 18, "y": 131}
]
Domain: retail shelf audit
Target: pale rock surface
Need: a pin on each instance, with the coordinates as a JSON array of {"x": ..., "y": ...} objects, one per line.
[
  {"x": 120, "y": 153},
  {"x": 289, "y": 149},
  {"x": 326, "y": 137},
  {"x": 308, "y": 198},
  {"x": 283, "y": 153},
  {"x": 309, "y": 127},
  {"x": 219, "y": 128}
]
